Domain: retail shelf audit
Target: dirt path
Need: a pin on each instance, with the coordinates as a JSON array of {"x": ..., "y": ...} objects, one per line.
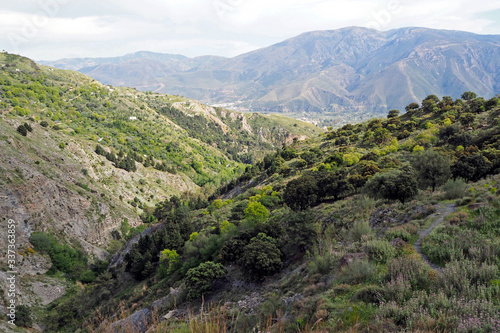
[{"x": 442, "y": 212}]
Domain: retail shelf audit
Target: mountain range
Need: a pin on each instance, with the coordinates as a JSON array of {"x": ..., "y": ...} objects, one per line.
[{"x": 339, "y": 73}]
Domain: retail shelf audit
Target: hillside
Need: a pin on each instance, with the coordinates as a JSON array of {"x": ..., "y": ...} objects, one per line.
[
  {"x": 388, "y": 225},
  {"x": 82, "y": 164},
  {"x": 347, "y": 74}
]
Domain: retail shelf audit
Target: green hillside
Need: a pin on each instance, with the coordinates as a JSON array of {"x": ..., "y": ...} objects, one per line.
[
  {"x": 82, "y": 166},
  {"x": 384, "y": 226},
  {"x": 176, "y": 133}
]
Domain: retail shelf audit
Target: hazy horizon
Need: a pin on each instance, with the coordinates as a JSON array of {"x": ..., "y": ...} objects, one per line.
[{"x": 56, "y": 29}]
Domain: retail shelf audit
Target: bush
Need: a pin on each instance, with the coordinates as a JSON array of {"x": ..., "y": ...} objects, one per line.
[
  {"x": 23, "y": 316},
  {"x": 261, "y": 257},
  {"x": 398, "y": 232},
  {"x": 454, "y": 189},
  {"x": 322, "y": 264},
  {"x": 43, "y": 123},
  {"x": 459, "y": 276},
  {"x": 356, "y": 272},
  {"x": 369, "y": 294},
  {"x": 359, "y": 229},
  {"x": 397, "y": 184},
  {"x": 380, "y": 251},
  {"x": 410, "y": 271},
  {"x": 199, "y": 280},
  {"x": 22, "y": 130}
]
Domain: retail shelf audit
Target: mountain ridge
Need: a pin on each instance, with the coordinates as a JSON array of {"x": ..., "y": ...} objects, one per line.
[{"x": 335, "y": 73}]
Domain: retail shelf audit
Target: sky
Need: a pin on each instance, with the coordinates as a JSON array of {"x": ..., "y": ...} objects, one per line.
[{"x": 55, "y": 29}]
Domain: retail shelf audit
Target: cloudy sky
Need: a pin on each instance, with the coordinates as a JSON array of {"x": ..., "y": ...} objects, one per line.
[{"x": 54, "y": 29}]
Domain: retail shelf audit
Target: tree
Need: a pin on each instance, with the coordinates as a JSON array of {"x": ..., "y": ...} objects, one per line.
[
  {"x": 301, "y": 193},
  {"x": 397, "y": 184},
  {"x": 412, "y": 106},
  {"x": 471, "y": 168},
  {"x": 199, "y": 280},
  {"x": 28, "y": 127},
  {"x": 381, "y": 135},
  {"x": 256, "y": 212},
  {"x": 466, "y": 119},
  {"x": 99, "y": 150},
  {"x": 468, "y": 95},
  {"x": 477, "y": 105},
  {"x": 332, "y": 184},
  {"x": 393, "y": 114},
  {"x": 261, "y": 257},
  {"x": 169, "y": 262},
  {"x": 433, "y": 169},
  {"x": 22, "y": 130}
]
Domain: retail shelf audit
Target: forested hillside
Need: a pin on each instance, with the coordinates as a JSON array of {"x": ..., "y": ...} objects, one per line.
[
  {"x": 82, "y": 163},
  {"x": 383, "y": 226}
]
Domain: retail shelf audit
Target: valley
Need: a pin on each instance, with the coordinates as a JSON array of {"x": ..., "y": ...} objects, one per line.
[{"x": 146, "y": 212}]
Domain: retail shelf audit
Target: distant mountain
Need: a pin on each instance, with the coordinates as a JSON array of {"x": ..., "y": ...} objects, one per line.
[{"x": 338, "y": 72}]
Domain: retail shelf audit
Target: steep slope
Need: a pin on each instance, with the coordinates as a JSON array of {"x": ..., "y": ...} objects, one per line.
[
  {"x": 336, "y": 73},
  {"x": 83, "y": 162},
  {"x": 369, "y": 227}
]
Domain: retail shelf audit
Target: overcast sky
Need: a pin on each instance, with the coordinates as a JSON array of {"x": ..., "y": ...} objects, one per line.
[{"x": 54, "y": 29}]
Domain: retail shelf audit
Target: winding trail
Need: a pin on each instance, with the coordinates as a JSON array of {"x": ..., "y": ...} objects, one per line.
[{"x": 442, "y": 212}]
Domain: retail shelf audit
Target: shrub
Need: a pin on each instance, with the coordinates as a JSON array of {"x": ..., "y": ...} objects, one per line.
[
  {"x": 459, "y": 276},
  {"x": 199, "y": 280},
  {"x": 397, "y": 184},
  {"x": 398, "y": 232},
  {"x": 413, "y": 272},
  {"x": 369, "y": 294},
  {"x": 23, "y": 316},
  {"x": 454, "y": 189},
  {"x": 261, "y": 257},
  {"x": 359, "y": 229},
  {"x": 322, "y": 264},
  {"x": 43, "y": 123},
  {"x": 22, "y": 130},
  {"x": 356, "y": 272},
  {"x": 380, "y": 250}
]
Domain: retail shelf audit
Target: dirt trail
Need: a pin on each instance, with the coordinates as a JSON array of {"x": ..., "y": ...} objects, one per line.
[{"x": 442, "y": 212}]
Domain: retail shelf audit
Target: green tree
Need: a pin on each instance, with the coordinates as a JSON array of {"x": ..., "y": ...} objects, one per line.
[
  {"x": 22, "y": 130},
  {"x": 261, "y": 257},
  {"x": 381, "y": 135},
  {"x": 199, "y": 280},
  {"x": 468, "y": 95},
  {"x": 256, "y": 212},
  {"x": 411, "y": 107},
  {"x": 393, "y": 114},
  {"x": 397, "y": 184},
  {"x": 301, "y": 193},
  {"x": 472, "y": 168},
  {"x": 433, "y": 169},
  {"x": 169, "y": 262},
  {"x": 466, "y": 119}
]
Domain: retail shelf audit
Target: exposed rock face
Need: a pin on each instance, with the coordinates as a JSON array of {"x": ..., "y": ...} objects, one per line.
[{"x": 72, "y": 193}]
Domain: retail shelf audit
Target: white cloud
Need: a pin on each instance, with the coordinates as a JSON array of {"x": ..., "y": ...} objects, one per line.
[{"x": 223, "y": 27}]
